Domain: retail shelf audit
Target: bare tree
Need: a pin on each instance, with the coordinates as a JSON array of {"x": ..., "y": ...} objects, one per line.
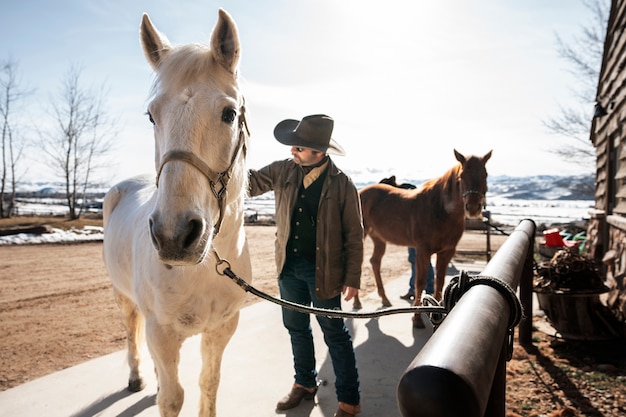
[
  {"x": 81, "y": 139},
  {"x": 584, "y": 58},
  {"x": 11, "y": 145}
]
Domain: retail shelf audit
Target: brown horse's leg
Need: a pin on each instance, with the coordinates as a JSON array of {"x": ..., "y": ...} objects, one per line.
[
  {"x": 422, "y": 258},
  {"x": 443, "y": 259},
  {"x": 375, "y": 260},
  {"x": 133, "y": 321}
]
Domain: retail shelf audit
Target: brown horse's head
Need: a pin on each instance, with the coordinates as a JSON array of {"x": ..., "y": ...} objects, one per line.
[{"x": 473, "y": 177}]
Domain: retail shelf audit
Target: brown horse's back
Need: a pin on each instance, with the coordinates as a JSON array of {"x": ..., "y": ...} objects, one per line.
[
  {"x": 385, "y": 210},
  {"x": 407, "y": 217}
]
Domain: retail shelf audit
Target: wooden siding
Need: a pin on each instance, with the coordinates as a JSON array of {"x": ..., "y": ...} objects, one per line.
[
  {"x": 606, "y": 131},
  {"x": 607, "y": 228}
]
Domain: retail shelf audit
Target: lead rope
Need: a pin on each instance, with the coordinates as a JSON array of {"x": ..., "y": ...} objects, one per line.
[
  {"x": 316, "y": 310},
  {"x": 436, "y": 311}
]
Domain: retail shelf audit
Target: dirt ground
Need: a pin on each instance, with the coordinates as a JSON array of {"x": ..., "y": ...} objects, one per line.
[{"x": 57, "y": 310}]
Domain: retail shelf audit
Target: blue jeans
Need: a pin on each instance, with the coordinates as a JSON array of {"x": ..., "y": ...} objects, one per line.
[
  {"x": 297, "y": 284},
  {"x": 430, "y": 275}
]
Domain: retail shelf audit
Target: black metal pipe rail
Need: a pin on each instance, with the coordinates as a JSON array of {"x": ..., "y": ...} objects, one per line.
[{"x": 461, "y": 371}]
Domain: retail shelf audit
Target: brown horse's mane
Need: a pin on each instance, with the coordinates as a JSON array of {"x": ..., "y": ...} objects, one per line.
[{"x": 442, "y": 184}]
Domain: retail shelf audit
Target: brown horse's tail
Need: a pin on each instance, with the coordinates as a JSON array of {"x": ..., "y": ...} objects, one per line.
[
  {"x": 365, "y": 229},
  {"x": 364, "y": 208}
]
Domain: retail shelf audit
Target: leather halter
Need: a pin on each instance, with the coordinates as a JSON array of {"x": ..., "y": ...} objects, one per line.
[
  {"x": 218, "y": 181},
  {"x": 466, "y": 193},
  {"x": 470, "y": 192}
]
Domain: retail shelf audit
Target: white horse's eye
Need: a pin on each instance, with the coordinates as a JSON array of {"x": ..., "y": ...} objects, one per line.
[
  {"x": 228, "y": 115},
  {"x": 150, "y": 117}
]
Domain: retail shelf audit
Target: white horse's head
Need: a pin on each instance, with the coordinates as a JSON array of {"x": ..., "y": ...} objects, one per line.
[{"x": 200, "y": 134}]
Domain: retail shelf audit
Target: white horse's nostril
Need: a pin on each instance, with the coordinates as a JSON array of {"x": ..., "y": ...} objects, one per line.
[
  {"x": 177, "y": 237},
  {"x": 195, "y": 229},
  {"x": 153, "y": 237}
]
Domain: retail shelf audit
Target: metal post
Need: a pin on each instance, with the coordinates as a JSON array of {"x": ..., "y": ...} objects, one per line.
[
  {"x": 496, "y": 406},
  {"x": 526, "y": 297},
  {"x": 453, "y": 373}
]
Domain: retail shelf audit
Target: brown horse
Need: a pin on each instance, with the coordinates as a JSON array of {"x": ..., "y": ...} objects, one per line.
[{"x": 430, "y": 218}]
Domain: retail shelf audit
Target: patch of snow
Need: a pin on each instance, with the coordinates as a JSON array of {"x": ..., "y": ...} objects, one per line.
[{"x": 87, "y": 234}]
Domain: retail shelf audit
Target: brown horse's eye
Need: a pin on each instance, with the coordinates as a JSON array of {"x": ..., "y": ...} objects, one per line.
[{"x": 228, "y": 115}]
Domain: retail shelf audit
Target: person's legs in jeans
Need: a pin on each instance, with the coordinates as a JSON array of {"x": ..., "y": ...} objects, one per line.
[
  {"x": 294, "y": 287},
  {"x": 341, "y": 350},
  {"x": 430, "y": 279},
  {"x": 336, "y": 334},
  {"x": 412, "y": 262},
  {"x": 430, "y": 275}
]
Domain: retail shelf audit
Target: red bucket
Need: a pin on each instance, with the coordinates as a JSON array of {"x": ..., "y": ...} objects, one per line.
[{"x": 553, "y": 237}]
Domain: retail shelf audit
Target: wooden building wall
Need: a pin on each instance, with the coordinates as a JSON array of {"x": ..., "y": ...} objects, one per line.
[{"x": 607, "y": 227}]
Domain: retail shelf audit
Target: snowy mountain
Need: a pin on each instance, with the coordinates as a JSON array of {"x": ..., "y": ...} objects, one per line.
[
  {"x": 543, "y": 187},
  {"x": 538, "y": 187}
]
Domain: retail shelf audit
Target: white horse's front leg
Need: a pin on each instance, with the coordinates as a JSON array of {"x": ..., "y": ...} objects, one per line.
[
  {"x": 213, "y": 345},
  {"x": 133, "y": 321},
  {"x": 164, "y": 345}
]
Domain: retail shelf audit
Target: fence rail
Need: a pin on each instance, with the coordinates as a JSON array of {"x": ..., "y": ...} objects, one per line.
[{"x": 461, "y": 371}]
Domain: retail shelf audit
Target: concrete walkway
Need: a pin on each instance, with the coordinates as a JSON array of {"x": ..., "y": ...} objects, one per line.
[{"x": 256, "y": 370}]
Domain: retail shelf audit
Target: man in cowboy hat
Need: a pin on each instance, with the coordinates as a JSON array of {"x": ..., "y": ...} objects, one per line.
[{"x": 319, "y": 252}]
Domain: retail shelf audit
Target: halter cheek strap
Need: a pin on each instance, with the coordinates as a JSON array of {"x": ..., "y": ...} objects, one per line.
[{"x": 218, "y": 181}]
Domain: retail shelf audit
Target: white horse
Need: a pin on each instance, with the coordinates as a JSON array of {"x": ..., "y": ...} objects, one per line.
[{"x": 162, "y": 243}]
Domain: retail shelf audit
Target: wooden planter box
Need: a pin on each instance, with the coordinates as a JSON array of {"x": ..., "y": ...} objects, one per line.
[{"x": 578, "y": 315}]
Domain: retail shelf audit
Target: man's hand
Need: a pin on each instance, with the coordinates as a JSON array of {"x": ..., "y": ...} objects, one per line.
[{"x": 349, "y": 292}]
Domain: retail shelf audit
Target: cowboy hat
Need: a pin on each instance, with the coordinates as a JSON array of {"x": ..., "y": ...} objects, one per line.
[{"x": 312, "y": 132}]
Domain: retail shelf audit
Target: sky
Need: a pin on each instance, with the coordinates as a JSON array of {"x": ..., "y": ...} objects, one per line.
[{"x": 406, "y": 82}]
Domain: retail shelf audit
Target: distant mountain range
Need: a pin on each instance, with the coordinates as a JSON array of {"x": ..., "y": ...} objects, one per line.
[
  {"x": 543, "y": 187},
  {"x": 538, "y": 187}
]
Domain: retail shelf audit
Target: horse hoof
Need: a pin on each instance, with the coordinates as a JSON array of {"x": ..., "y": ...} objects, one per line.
[
  {"x": 136, "y": 385},
  {"x": 357, "y": 306},
  {"x": 386, "y": 303},
  {"x": 418, "y": 323}
]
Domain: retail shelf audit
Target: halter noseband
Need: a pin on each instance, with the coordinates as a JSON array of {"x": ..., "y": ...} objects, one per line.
[
  {"x": 470, "y": 192},
  {"x": 218, "y": 181},
  {"x": 466, "y": 193}
]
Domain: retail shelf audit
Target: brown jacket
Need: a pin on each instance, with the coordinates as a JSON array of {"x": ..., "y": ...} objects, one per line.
[{"x": 339, "y": 232}]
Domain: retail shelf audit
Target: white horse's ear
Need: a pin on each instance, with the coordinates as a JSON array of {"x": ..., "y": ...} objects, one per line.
[
  {"x": 225, "y": 42},
  {"x": 155, "y": 44}
]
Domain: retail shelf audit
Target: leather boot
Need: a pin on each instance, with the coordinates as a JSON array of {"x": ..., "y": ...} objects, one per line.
[
  {"x": 295, "y": 397},
  {"x": 408, "y": 296},
  {"x": 347, "y": 410}
]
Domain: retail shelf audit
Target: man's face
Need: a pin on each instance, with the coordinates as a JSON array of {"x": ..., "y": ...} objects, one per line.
[{"x": 306, "y": 156}]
